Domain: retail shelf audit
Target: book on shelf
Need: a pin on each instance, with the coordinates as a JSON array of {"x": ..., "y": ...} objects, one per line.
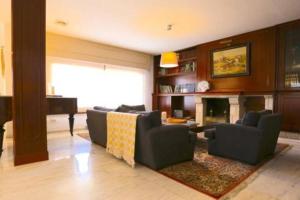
[
  {"x": 185, "y": 88},
  {"x": 166, "y": 89},
  {"x": 188, "y": 67}
]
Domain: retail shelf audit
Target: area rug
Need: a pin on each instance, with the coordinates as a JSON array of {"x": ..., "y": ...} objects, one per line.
[{"x": 213, "y": 175}]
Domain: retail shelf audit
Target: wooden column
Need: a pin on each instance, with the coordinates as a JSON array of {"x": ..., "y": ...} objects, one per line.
[{"x": 29, "y": 81}]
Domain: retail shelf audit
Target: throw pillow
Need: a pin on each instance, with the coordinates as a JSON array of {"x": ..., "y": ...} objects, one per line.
[
  {"x": 251, "y": 119},
  {"x": 103, "y": 108},
  {"x": 127, "y": 108}
]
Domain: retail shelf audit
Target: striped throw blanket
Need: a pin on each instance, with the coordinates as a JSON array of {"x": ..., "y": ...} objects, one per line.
[{"x": 121, "y": 130}]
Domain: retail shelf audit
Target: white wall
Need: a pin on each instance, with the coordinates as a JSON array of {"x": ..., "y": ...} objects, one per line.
[{"x": 83, "y": 50}]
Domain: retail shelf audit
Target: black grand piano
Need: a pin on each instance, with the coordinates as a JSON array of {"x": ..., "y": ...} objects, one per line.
[{"x": 55, "y": 106}]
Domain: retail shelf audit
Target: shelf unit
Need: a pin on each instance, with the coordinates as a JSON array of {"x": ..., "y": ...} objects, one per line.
[
  {"x": 176, "y": 74},
  {"x": 185, "y": 73}
]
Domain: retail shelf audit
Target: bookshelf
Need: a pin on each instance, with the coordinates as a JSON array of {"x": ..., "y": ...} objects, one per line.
[{"x": 182, "y": 82}]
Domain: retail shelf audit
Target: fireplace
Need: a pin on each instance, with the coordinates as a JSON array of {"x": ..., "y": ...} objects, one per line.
[
  {"x": 227, "y": 108},
  {"x": 217, "y": 111}
]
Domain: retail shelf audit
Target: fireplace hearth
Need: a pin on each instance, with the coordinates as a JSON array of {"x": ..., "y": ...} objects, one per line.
[{"x": 217, "y": 111}]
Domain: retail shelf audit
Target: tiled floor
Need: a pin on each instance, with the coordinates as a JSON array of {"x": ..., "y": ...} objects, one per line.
[{"x": 79, "y": 170}]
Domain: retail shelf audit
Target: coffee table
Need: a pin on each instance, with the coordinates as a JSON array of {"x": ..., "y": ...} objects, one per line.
[
  {"x": 194, "y": 127},
  {"x": 198, "y": 129}
]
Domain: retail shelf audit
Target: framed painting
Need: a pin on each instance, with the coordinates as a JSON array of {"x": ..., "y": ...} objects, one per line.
[{"x": 231, "y": 61}]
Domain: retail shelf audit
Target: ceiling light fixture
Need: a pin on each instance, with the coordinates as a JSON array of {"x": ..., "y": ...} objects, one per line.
[{"x": 169, "y": 59}]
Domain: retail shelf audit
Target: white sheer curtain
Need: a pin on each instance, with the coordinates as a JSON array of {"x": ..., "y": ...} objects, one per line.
[{"x": 107, "y": 86}]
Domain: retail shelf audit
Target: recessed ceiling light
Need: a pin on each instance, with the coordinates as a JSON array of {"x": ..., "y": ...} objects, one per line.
[
  {"x": 170, "y": 27},
  {"x": 61, "y": 22}
]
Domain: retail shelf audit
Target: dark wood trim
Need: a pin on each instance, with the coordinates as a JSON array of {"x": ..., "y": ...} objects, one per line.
[
  {"x": 30, "y": 158},
  {"x": 29, "y": 80}
]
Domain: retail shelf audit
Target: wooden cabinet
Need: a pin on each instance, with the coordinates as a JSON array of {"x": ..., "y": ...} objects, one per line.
[
  {"x": 288, "y": 77},
  {"x": 262, "y": 62},
  {"x": 289, "y": 56},
  {"x": 289, "y": 106}
]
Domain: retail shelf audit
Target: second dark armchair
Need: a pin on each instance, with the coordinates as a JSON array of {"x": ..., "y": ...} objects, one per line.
[{"x": 246, "y": 143}]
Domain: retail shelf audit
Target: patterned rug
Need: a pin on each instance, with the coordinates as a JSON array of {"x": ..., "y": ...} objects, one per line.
[{"x": 212, "y": 175}]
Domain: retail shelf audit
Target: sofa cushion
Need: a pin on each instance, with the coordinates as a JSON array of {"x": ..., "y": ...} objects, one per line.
[
  {"x": 265, "y": 112},
  {"x": 103, "y": 108},
  {"x": 251, "y": 119},
  {"x": 261, "y": 113},
  {"x": 127, "y": 108}
]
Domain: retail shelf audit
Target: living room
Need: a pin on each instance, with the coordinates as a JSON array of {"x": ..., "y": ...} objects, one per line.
[{"x": 149, "y": 99}]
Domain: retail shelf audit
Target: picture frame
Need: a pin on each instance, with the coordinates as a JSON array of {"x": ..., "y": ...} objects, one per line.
[{"x": 232, "y": 61}]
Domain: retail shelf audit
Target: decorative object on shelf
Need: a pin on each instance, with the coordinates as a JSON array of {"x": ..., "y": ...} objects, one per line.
[
  {"x": 188, "y": 67},
  {"x": 178, "y": 113},
  {"x": 185, "y": 88},
  {"x": 163, "y": 116},
  {"x": 176, "y": 121},
  {"x": 231, "y": 61},
  {"x": 166, "y": 89},
  {"x": 177, "y": 89},
  {"x": 169, "y": 60},
  {"x": 162, "y": 71},
  {"x": 202, "y": 86},
  {"x": 292, "y": 80},
  {"x": 191, "y": 122}
]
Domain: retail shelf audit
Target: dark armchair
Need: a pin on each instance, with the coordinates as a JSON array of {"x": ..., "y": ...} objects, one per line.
[
  {"x": 250, "y": 144},
  {"x": 160, "y": 146}
]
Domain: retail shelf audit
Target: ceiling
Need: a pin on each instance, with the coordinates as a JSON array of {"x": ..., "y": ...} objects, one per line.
[{"x": 142, "y": 24}]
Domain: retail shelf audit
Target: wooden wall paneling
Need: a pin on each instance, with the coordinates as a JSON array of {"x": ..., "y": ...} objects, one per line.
[
  {"x": 289, "y": 106},
  {"x": 188, "y": 53},
  {"x": 189, "y": 106},
  {"x": 155, "y": 102},
  {"x": 191, "y": 78},
  {"x": 202, "y": 61},
  {"x": 254, "y": 103},
  {"x": 267, "y": 63},
  {"x": 262, "y": 62},
  {"x": 29, "y": 81},
  {"x": 156, "y": 63},
  {"x": 165, "y": 104}
]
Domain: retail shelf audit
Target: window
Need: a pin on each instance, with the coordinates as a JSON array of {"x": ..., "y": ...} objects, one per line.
[{"x": 108, "y": 86}]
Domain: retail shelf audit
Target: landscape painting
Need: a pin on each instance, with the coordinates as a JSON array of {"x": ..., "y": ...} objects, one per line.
[{"x": 230, "y": 61}]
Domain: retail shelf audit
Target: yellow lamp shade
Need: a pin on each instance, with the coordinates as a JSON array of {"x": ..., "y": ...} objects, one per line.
[{"x": 169, "y": 60}]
